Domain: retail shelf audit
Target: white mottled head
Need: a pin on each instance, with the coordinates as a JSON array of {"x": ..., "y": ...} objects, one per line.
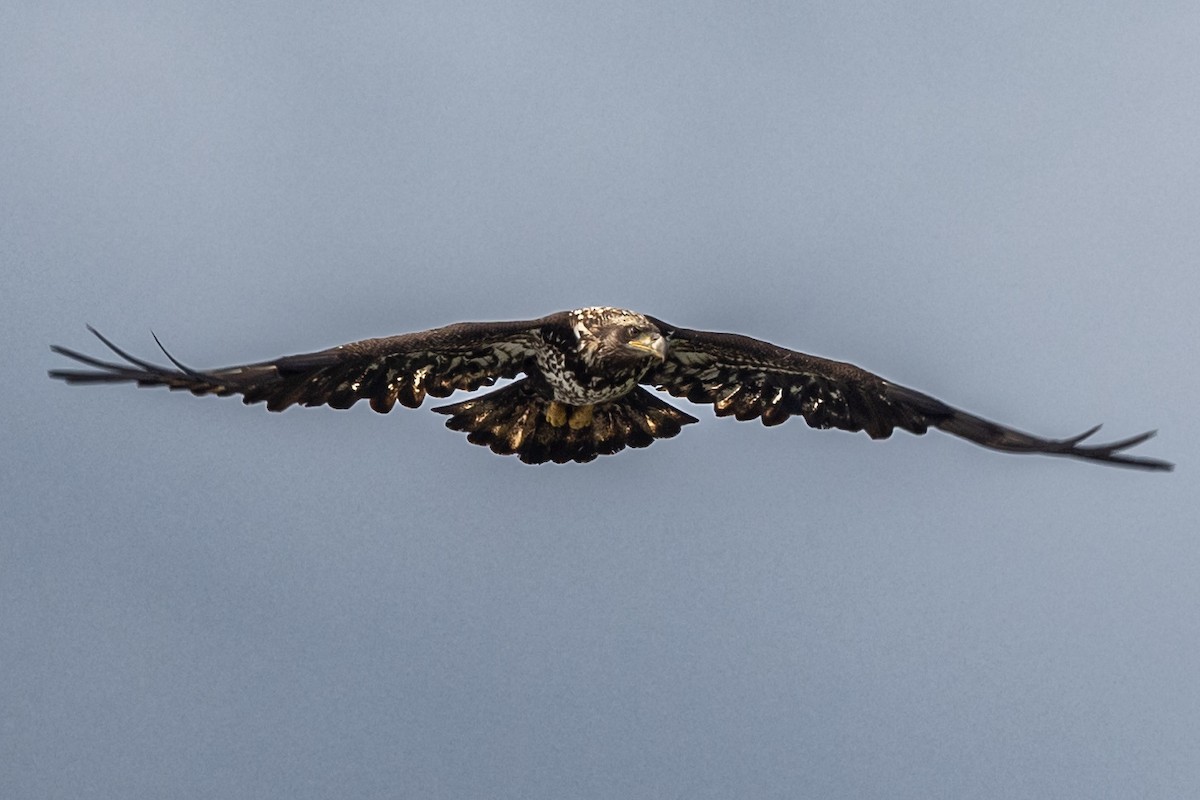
[{"x": 618, "y": 337}]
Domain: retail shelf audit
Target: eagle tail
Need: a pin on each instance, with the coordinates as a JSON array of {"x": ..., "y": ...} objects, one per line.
[{"x": 514, "y": 421}]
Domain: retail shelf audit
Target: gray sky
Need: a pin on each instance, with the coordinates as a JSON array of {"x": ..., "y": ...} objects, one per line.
[{"x": 998, "y": 206}]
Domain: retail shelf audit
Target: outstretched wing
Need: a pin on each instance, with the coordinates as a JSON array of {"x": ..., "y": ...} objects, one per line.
[
  {"x": 402, "y": 368},
  {"x": 748, "y": 378}
]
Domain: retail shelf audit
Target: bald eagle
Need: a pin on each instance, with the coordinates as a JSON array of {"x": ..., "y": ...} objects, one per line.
[{"x": 582, "y": 394}]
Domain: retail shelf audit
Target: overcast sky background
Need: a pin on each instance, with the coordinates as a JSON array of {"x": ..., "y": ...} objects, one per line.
[{"x": 997, "y": 205}]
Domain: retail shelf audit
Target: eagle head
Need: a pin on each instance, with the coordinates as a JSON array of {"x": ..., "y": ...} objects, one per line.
[{"x": 618, "y": 338}]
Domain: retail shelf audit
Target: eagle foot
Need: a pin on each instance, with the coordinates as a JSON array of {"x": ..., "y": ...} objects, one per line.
[
  {"x": 556, "y": 414},
  {"x": 581, "y": 417}
]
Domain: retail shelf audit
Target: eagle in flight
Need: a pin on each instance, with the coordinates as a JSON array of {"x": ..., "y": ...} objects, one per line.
[{"x": 583, "y": 392}]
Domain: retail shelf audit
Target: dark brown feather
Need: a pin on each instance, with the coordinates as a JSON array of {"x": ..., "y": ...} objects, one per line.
[
  {"x": 749, "y": 378},
  {"x": 513, "y": 420},
  {"x": 385, "y": 371}
]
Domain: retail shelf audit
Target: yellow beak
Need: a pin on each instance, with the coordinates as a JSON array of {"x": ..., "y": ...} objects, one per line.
[{"x": 652, "y": 343}]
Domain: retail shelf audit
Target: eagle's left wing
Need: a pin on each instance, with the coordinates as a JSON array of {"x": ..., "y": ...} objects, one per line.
[
  {"x": 748, "y": 378},
  {"x": 402, "y": 368}
]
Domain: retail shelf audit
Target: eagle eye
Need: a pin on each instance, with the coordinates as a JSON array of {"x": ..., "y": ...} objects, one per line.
[{"x": 633, "y": 331}]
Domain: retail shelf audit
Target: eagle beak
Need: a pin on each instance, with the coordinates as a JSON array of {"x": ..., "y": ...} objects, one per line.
[{"x": 653, "y": 343}]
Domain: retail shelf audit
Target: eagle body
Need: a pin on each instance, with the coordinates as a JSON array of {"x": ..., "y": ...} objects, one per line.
[
  {"x": 585, "y": 359},
  {"x": 581, "y": 386}
]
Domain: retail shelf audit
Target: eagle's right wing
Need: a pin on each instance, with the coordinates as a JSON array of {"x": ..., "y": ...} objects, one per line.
[{"x": 402, "y": 368}]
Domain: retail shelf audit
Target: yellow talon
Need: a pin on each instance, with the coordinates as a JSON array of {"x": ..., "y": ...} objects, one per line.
[
  {"x": 581, "y": 417},
  {"x": 556, "y": 414}
]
